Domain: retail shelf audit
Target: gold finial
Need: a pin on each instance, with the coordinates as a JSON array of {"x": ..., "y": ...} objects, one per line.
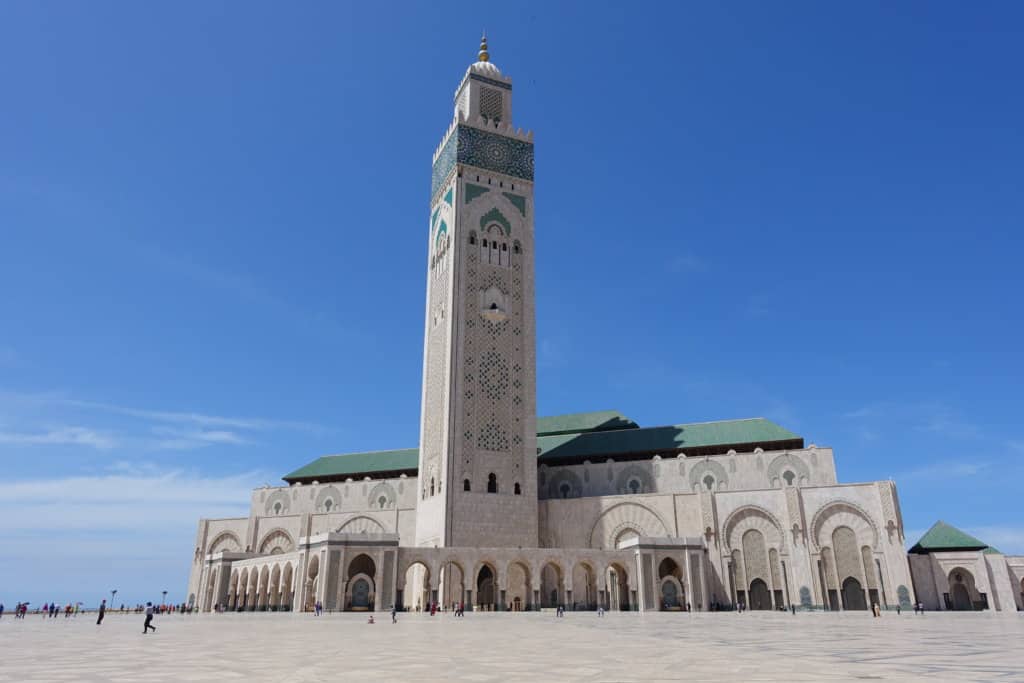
[{"x": 484, "y": 55}]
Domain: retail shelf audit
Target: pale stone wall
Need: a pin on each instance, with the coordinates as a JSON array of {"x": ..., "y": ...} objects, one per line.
[
  {"x": 797, "y": 523},
  {"x": 812, "y": 466},
  {"x": 214, "y": 535},
  {"x": 998, "y": 576}
]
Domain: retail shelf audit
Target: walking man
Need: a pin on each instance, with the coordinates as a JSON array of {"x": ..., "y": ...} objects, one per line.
[
  {"x": 393, "y": 613},
  {"x": 149, "y": 619},
  {"x": 103, "y": 612}
]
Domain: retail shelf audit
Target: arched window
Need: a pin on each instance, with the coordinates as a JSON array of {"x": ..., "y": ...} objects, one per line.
[
  {"x": 484, "y": 243},
  {"x": 516, "y": 248},
  {"x": 277, "y": 508},
  {"x": 492, "y": 483},
  {"x": 465, "y": 484},
  {"x": 709, "y": 482},
  {"x": 789, "y": 477},
  {"x": 328, "y": 504},
  {"x": 565, "y": 489},
  {"x": 431, "y": 486},
  {"x": 517, "y": 490},
  {"x": 472, "y": 238}
]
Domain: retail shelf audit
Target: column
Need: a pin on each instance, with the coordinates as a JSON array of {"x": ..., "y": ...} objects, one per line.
[{"x": 688, "y": 596}]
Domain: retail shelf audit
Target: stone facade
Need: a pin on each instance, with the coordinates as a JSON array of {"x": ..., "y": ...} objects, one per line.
[{"x": 677, "y": 520}]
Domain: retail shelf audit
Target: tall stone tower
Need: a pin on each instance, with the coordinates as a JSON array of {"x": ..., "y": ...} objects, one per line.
[{"x": 478, "y": 450}]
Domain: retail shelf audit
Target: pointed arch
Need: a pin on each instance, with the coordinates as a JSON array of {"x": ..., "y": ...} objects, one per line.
[
  {"x": 275, "y": 542},
  {"x": 361, "y": 525},
  {"x": 225, "y": 541},
  {"x": 642, "y": 519}
]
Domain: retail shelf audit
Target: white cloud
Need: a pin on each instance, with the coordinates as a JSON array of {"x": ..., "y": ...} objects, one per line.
[
  {"x": 946, "y": 469},
  {"x": 62, "y": 436},
  {"x": 76, "y": 537},
  {"x": 175, "y": 439},
  {"x": 201, "y": 419}
]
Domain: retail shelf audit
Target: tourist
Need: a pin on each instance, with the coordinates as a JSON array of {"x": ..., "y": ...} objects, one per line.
[
  {"x": 600, "y": 611},
  {"x": 103, "y": 612},
  {"x": 370, "y": 620},
  {"x": 898, "y": 611},
  {"x": 792, "y": 608},
  {"x": 875, "y": 610},
  {"x": 1, "y": 610},
  {"x": 394, "y": 612},
  {"x": 149, "y": 619}
]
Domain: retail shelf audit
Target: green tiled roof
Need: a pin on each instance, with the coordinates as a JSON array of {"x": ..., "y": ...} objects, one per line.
[
  {"x": 943, "y": 536},
  {"x": 357, "y": 463},
  {"x": 656, "y": 439},
  {"x": 575, "y": 437},
  {"x": 583, "y": 422}
]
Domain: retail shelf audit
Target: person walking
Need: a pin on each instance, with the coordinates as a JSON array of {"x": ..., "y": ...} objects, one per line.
[
  {"x": 103, "y": 613},
  {"x": 149, "y": 619}
]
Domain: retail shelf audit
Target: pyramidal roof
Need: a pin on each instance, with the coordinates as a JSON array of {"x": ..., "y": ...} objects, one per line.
[{"x": 945, "y": 537}]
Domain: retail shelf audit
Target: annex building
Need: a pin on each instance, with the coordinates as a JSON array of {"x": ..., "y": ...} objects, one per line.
[{"x": 500, "y": 509}]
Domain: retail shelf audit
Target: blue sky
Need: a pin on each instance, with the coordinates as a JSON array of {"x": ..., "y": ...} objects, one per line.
[{"x": 214, "y": 230}]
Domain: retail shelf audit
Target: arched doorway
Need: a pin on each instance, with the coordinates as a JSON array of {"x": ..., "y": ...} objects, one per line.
[
  {"x": 618, "y": 588},
  {"x": 210, "y": 589},
  {"x": 519, "y": 587},
  {"x": 312, "y": 575},
  {"x": 453, "y": 584},
  {"x": 415, "y": 593},
  {"x": 275, "y": 588},
  {"x": 760, "y": 599},
  {"x": 551, "y": 586},
  {"x": 584, "y": 590},
  {"x": 670, "y": 575},
  {"x": 963, "y": 594},
  {"x": 853, "y": 595},
  {"x": 485, "y": 580},
  {"x": 263, "y": 589},
  {"x": 254, "y": 579},
  {"x": 359, "y": 596},
  {"x": 286, "y": 588},
  {"x": 233, "y": 590}
]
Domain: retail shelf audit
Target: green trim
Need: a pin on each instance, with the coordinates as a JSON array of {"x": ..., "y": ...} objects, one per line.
[
  {"x": 577, "y": 437},
  {"x": 448, "y": 196},
  {"x": 433, "y": 219},
  {"x": 518, "y": 201},
  {"x": 474, "y": 191},
  {"x": 495, "y": 216},
  {"x": 601, "y": 420},
  {"x": 443, "y": 230}
]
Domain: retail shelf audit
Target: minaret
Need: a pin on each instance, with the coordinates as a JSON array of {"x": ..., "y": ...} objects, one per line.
[{"x": 478, "y": 443}]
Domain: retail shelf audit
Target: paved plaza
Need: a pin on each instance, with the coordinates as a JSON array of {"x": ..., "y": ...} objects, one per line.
[{"x": 535, "y": 646}]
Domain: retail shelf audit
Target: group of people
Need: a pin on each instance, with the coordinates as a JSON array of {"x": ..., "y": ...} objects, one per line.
[{"x": 20, "y": 610}]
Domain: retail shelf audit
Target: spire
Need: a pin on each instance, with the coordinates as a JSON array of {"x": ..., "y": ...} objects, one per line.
[{"x": 483, "y": 56}]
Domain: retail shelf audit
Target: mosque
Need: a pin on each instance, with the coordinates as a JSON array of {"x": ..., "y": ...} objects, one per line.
[{"x": 500, "y": 509}]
